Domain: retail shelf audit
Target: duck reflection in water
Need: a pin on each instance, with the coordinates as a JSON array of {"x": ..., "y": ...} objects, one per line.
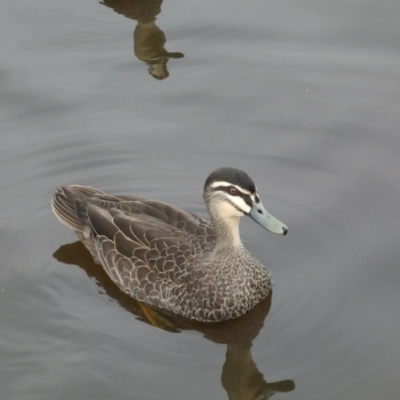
[
  {"x": 149, "y": 40},
  {"x": 240, "y": 377}
]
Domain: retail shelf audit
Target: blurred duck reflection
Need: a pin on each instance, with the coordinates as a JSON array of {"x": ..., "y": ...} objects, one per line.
[
  {"x": 149, "y": 40},
  {"x": 240, "y": 377}
]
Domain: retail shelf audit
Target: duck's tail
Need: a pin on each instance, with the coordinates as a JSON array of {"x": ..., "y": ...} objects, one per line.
[{"x": 66, "y": 201}]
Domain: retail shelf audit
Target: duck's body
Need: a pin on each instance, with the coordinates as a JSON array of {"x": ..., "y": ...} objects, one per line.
[{"x": 172, "y": 259}]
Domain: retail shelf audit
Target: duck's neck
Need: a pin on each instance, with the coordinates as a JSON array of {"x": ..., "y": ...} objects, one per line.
[{"x": 227, "y": 232}]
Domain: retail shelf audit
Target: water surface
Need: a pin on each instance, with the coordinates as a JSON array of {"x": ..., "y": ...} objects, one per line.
[{"x": 303, "y": 96}]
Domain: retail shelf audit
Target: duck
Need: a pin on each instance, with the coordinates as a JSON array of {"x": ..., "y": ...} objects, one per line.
[{"x": 171, "y": 259}]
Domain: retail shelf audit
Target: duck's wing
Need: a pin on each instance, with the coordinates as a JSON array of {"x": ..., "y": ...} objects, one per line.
[
  {"x": 174, "y": 216},
  {"x": 146, "y": 257},
  {"x": 145, "y": 246},
  {"x": 69, "y": 204}
]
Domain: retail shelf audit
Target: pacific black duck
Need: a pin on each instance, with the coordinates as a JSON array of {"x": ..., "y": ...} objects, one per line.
[{"x": 172, "y": 259}]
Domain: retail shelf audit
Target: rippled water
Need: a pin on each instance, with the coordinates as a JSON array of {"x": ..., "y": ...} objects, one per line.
[{"x": 303, "y": 96}]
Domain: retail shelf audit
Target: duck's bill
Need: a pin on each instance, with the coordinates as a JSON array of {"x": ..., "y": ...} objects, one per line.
[{"x": 259, "y": 214}]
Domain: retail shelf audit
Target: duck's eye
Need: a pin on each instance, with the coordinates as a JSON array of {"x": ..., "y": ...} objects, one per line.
[{"x": 233, "y": 191}]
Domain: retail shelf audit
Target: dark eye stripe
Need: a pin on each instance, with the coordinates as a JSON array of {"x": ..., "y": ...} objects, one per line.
[
  {"x": 223, "y": 188},
  {"x": 247, "y": 199}
]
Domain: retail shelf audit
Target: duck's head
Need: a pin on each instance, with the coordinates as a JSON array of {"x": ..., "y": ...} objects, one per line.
[{"x": 230, "y": 193}]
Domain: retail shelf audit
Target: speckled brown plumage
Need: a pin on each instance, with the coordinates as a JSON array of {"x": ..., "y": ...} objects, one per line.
[{"x": 163, "y": 256}]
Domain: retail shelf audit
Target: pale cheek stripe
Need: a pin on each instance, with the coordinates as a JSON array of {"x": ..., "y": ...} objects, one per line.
[{"x": 240, "y": 203}]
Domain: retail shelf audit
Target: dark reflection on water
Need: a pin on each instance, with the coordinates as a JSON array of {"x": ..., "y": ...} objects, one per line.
[
  {"x": 240, "y": 377},
  {"x": 149, "y": 40}
]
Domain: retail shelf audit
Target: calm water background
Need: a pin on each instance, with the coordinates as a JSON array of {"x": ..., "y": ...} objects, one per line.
[{"x": 304, "y": 96}]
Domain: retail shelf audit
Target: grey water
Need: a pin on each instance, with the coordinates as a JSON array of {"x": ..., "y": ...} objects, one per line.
[{"x": 147, "y": 98}]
